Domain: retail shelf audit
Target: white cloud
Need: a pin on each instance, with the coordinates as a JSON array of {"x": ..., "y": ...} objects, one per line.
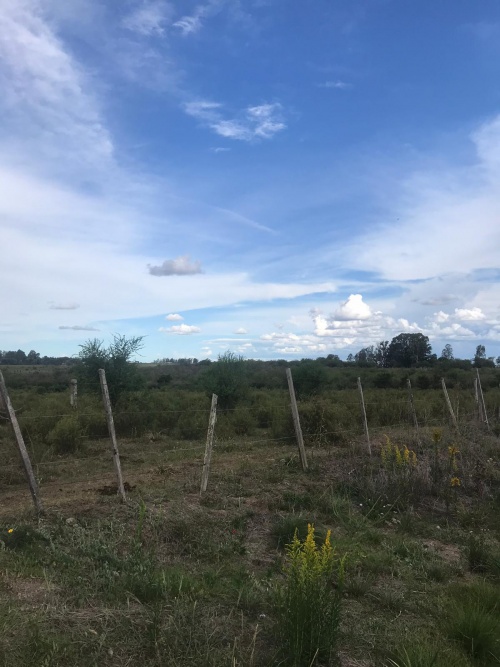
[
  {"x": 77, "y": 327},
  {"x": 149, "y": 18},
  {"x": 180, "y": 266},
  {"x": 441, "y": 317},
  {"x": 174, "y": 317},
  {"x": 445, "y": 218},
  {"x": 354, "y": 308},
  {"x": 64, "y": 306},
  {"x": 188, "y": 24},
  {"x": 338, "y": 85},
  {"x": 469, "y": 314},
  {"x": 181, "y": 329},
  {"x": 255, "y": 122},
  {"x": 241, "y": 331}
]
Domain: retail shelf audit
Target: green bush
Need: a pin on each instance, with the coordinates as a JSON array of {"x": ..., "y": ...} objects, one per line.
[{"x": 66, "y": 435}]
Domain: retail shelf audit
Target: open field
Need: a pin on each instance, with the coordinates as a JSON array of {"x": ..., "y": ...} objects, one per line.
[{"x": 175, "y": 579}]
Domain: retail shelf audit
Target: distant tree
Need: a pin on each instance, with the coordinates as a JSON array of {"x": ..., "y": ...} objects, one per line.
[
  {"x": 409, "y": 349},
  {"x": 366, "y": 356},
  {"x": 480, "y": 352},
  {"x": 480, "y": 360},
  {"x": 350, "y": 358},
  {"x": 33, "y": 358},
  {"x": 447, "y": 352},
  {"x": 227, "y": 377},
  {"x": 381, "y": 353},
  {"x": 116, "y": 359}
]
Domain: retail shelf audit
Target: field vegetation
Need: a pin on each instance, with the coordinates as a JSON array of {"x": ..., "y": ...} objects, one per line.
[{"x": 391, "y": 560}]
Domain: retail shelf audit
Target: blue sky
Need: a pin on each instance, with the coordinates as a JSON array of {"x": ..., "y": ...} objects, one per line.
[{"x": 283, "y": 179}]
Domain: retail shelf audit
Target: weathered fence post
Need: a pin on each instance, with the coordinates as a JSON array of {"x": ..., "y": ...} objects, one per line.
[
  {"x": 479, "y": 407},
  {"x": 73, "y": 393},
  {"x": 481, "y": 401},
  {"x": 35, "y": 493},
  {"x": 448, "y": 403},
  {"x": 365, "y": 420},
  {"x": 412, "y": 405},
  {"x": 296, "y": 420},
  {"x": 209, "y": 446},
  {"x": 112, "y": 433}
]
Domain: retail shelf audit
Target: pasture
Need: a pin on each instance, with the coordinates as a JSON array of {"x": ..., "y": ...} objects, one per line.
[{"x": 175, "y": 578}]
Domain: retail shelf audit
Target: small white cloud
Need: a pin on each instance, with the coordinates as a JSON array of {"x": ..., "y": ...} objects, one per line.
[
  {"x": 181, "y": 329},
  {"x": 441, "y": 317},
  {"x": 76, "y": 327},
  {"x": 149, "y": 18},
  {"x": 188, "y": 24},
  {"x": 469, "y": 314},
  {"x": 241, "y": 330},
  {"x": 338, "y": 85},
  {"x": 220, "y": 149},
  {"x": 353, "y": 309},
  {"x": 180, "y": 266},
  {"x": 174, "y": 317},
  {"x": 64, "y": 306}
]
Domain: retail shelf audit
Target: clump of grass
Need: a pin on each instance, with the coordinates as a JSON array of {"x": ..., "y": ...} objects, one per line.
[
  {"x": 286, "y": 527},
  {"x": 477, "y": 630},
  {"x": 308, "y": 602}
]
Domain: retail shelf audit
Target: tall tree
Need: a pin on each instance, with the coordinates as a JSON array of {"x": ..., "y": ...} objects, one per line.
[
  {"x": 447, "y": 352},
  {"x": 409, "y": 349}
]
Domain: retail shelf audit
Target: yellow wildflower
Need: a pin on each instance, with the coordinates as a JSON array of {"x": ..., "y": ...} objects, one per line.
[
  {"x": 455, "y": 481},
  {"x": 452, "y": 451},
  {"x": 406, "y": 455},
  {"x": 11, "y": 530}
]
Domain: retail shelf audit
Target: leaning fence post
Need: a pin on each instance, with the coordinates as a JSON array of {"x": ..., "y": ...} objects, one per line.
[
  {"x": 209, "y": 446},
  {"x": 73, "y": 393},
  {"x": 296, "y": 420},
  {"x": 35, "y": 493},
  {"x": 448, "y": 403},
  {"x": 412, "y": 405},
  {"x": 112, "y": 433},
  {"x": 365, "y": 420},
  {"x": 481, "y": 400}
]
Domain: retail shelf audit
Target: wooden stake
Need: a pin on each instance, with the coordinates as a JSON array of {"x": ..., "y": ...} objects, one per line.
[
  {"x": 35, "y": 493},
  {"x": 412, "y": 405},
  {"x": 209, "y": 446},
  {"x": 448, "y": 403},
  {"x": 73, "y": 393},
  {"x": 296, "y": 420},
  {"x": 481, "y": 401},
  {"x": 365, "y": 420},
  {"x": 112, "y": 433}
]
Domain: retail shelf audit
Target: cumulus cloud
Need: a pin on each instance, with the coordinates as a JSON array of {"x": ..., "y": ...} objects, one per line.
[
  {"x": 469, "y": 314},
  {"x": 174, "y": 317},
  {"x": 149, "y": 18},
  {"x": 76, "y": 327},
  {"x": 254, "y": 122},
  {"x": 354, "y": 308},
  {"x": 64, "y": 306},
  {"x": 241, "y": 331},
  {"x": 181, "y": 329},
  {"x": 180, "y": 266}
]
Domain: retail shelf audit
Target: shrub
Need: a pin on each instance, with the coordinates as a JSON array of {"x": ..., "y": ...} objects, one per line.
[
  {"x": 308, "y": 602},
  {"x": 66, "y": 435}
]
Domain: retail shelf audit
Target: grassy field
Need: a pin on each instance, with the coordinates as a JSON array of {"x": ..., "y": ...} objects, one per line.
[{"x": 175, "y": 579}]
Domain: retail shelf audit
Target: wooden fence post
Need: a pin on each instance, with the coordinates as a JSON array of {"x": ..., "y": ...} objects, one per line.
[
  {"x": 73, "y": 393},
  {"x": 412, "y": 406},
  {"x": 448, "y": 403},
  {"x": 35, "y": 493},
  {"x": 209, "y": 446},
  {"x": 479, "y": 407},
  {"x": 112, "y": 433},
  {"x": 481, "y": 400},
  {"x": 296, "y": 420},
  {"x": 365, "y": 420}
]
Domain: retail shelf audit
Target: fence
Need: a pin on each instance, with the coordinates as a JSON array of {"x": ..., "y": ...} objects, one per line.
[{"x": 307, "y": 424}]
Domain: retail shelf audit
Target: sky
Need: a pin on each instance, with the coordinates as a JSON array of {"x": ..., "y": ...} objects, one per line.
[{"x": 282, "y": 179}]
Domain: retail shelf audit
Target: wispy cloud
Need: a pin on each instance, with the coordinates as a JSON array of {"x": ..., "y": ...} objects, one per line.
[
  {"x": 254, "y": 122},
  {"x": 191, "y": 24},
  {"x": 64, "y": 306},
  {"x": 77, "y": 327},
  {"x": 174, "y": 317},
  {"x": 336, "y": 85},
  {"x": 180, "y": 266},
  {"x": 149, "y": 18}
]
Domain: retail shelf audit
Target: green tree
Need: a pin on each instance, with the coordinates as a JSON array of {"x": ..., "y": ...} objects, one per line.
[
  {"x": 309, "y": 378},
  {"x": 409, "y": 349},
  {"x": 227, "y": 377},
  {"x": 447, "y": 352},
  {"x": 116, "y": 359}
]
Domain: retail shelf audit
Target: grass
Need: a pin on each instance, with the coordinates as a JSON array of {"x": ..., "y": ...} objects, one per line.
[{"x": 175, "y": 579}]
